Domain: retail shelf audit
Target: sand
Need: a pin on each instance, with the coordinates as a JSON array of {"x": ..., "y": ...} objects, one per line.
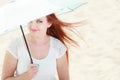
[{"x": 98, "y": 57}]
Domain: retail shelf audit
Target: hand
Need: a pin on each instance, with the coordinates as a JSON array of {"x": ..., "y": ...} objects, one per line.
[{"x": 32, "y": 70}]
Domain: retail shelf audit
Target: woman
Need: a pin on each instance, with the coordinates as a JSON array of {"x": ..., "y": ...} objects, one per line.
[{"x": 46, "y": 42}]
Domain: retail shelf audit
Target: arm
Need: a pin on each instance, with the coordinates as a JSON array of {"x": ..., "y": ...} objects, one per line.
[
  {"x": 62, "y": 68},
  {"x": 9, "y": 67}
]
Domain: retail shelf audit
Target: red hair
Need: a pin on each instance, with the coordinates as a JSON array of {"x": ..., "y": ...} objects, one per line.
[{"x": 56, "y": 30}]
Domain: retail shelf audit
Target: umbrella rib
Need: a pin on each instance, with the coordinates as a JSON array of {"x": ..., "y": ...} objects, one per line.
[{"x": 26, "y": 43}]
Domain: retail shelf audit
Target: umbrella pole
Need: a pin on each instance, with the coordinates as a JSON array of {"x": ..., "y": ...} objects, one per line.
[{"x": 26, "y": 43}]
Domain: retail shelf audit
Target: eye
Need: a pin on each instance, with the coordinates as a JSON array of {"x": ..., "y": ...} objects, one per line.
[
  {"x": 30, "y": 22},
  {"x": 39, "y": 21}
]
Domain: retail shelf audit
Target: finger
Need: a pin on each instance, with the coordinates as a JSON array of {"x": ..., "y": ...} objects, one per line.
[{"x": 32, "y": 66}]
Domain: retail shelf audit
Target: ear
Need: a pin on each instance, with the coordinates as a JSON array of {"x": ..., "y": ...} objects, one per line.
[{"x": 49, "y": 25}]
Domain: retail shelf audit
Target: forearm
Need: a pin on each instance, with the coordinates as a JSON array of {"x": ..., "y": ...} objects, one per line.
[{"x": 23, "y": 76}]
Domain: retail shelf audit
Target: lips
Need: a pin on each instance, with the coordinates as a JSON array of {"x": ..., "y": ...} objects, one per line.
[{"x": 34, "y": 30}]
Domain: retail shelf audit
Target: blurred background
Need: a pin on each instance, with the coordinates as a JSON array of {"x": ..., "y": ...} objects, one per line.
[{"x": 98, "y": 57}]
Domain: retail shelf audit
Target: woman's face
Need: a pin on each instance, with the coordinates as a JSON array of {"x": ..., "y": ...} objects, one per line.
[{"x": 39, "y": 25}]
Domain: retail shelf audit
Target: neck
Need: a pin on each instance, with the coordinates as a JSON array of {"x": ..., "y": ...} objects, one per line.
[{"x": 38, "y": 39}]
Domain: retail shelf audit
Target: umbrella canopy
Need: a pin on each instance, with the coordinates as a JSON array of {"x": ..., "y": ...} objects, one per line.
[
  {"x": 67, "y": 5},
  {"x": 20, "y": 12}
]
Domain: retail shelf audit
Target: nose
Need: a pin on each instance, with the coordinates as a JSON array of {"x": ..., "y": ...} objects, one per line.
[{"x": 33, "y": 24}]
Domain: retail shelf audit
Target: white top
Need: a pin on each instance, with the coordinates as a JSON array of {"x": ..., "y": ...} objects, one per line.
[{"x": 47, "y": 68}]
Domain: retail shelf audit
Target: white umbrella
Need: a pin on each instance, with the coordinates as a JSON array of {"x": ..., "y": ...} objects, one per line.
[{"x": 19, "y": 12}]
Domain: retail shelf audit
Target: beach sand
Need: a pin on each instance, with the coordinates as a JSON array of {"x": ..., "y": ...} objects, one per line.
[{"x": 98, "y": 57}]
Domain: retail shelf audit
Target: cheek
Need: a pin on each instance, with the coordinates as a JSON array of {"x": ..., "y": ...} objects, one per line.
[
  {"x": 42, "y": 26},
  {"x": 29, "y": 27},
  {"x": 45, "y": 25}
]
